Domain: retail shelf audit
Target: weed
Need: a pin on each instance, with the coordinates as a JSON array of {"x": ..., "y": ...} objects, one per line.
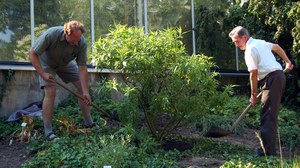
[{"x": 70, "y": 128}]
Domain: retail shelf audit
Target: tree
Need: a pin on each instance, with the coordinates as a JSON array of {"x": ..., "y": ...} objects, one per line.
[
  {"x": 211, "y": 40},
  {"x": 16, "y": 19},
  {"x": 159, "y": 80}
]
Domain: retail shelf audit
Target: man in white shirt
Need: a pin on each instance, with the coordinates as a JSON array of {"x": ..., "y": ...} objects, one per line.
[{"x": 264, "y": 68}]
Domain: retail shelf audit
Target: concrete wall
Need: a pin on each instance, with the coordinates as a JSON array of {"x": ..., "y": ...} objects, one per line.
[{"x": 23, "y": 88}]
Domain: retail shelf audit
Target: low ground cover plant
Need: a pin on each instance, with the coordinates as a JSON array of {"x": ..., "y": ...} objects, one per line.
[{"x": 123, "y": 146}]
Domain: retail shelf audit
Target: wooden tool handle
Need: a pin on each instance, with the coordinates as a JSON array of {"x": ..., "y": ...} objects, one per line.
[
  {"x": 234, "y": 125},
  {"x": 80, "y": 97}
]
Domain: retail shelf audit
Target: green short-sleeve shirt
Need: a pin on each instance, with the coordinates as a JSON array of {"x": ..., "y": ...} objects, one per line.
[{"x": 54, "y": 50}]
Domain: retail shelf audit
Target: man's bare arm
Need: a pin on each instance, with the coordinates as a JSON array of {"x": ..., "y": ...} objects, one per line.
[
  {"x": 277, "y": 49},
  {"x": 37, "y": 65}
]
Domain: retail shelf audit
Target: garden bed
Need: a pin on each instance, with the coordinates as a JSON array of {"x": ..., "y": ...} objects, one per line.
[{"x": 16, "y": 154}]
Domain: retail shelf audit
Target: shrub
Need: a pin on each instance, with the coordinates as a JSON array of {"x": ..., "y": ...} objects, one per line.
[{"x": 159, "y": 79}]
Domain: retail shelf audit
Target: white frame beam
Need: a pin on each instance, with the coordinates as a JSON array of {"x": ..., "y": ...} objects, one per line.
[{"x": 32, "y": 21}]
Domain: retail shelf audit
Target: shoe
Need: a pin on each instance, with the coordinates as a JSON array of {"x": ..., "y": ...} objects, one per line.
[
  {"x": 260, "y": 152},
  {"x": 93, "y": 126},
  {"x": 52, "y": 136}
]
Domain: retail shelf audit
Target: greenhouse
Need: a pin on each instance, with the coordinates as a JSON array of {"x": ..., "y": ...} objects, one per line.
[{"x": 150, "y": 83}]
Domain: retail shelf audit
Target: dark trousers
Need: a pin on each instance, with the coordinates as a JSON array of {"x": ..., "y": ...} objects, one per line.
[{"x": 272, "y": 88}]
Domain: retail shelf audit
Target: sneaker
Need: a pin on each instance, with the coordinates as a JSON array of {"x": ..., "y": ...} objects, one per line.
[
  {"x": 52, "y": 136},
  {"x": 93, "y": 126}
]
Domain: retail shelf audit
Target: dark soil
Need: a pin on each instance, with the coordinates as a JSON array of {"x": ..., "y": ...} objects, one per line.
[
  {"x": 13, "y": 155},
  {"x": 174, "y": 144}
]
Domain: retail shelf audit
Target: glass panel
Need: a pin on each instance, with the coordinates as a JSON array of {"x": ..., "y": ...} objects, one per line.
[
  {"x": 211, "y": 37},
  {"x": 107, "y": 13},
  {"x": 15, "y": 23},
  {"x": 211, "y": 40},
  {"x": 172, "y": 13},
  {"x": 14, "y": 30},
  {"x": 57, "y": 12}
]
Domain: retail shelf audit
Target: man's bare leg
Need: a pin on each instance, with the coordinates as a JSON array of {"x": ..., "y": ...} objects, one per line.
[
  {"x": 48, "y": 108},
  {"x": 84, "y": 107}
]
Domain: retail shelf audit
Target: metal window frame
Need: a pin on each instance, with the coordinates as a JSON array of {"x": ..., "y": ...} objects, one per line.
[{"x": 145, "y": 25}]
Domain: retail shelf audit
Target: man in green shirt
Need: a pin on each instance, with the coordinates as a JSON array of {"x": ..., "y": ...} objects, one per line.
[{"x": 54, "y": 54}]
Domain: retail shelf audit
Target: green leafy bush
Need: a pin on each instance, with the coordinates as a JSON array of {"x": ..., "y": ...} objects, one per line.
[{"x": 159, "y": 78}]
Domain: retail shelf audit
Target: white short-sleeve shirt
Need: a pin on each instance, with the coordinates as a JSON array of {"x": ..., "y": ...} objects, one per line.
[{"x": 258, "y": 55}]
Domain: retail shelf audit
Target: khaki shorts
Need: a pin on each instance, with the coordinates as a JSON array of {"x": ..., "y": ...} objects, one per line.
[{"x": 68, "y": 73}]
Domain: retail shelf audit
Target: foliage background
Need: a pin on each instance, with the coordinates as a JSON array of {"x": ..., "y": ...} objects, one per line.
[{"x": 275, "y": 21}]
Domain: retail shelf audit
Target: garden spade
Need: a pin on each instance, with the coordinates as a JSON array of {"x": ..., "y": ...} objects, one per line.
[
  {"x": 82, "y": 98},
  {"x": 217, "y": 132}
]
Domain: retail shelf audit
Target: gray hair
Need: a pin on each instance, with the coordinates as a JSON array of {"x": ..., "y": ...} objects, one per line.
[{"x": 240, "y": 31}]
